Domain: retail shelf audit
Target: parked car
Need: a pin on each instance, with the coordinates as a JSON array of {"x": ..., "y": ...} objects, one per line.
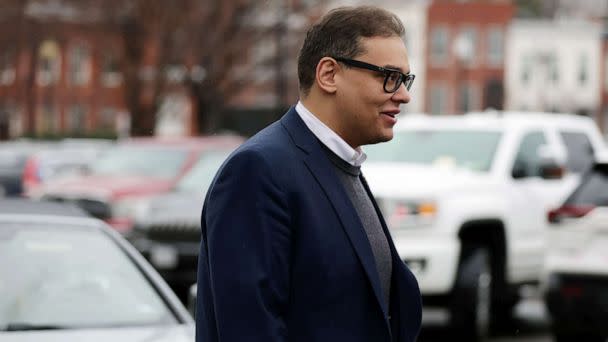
[
  {"x": 466, "y": 197},
  {"x": 576, "y": 272},
  {"x": 70, "y": 277},
  {"x": 168, "y": 232},
  {"x": 67, "y": 158},
  {"x": 122, "y": 181}
]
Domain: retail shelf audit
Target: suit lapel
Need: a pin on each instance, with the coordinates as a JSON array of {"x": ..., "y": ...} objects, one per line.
[{"x": 319, "y": 165}]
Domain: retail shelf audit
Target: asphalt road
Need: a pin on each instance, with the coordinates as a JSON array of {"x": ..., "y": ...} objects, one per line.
[{"x": 531, "y": 324}]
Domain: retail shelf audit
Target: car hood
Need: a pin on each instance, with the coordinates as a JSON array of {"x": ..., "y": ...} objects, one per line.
[
  {"x": 107, "y": 186},
  {"x": 178, "y": 333},
  {"x": 413, "y": 180},
  {"x": 175, "y": 207}
]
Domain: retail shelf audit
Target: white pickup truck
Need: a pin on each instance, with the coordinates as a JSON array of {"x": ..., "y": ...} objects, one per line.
[{"x": 466, "y": 199}]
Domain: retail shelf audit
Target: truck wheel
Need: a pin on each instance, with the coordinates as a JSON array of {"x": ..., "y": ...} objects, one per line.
[{"x": 472, "y": 295}]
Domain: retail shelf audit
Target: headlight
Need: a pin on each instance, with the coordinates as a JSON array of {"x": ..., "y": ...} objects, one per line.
[{"x": 401, "y": 213}]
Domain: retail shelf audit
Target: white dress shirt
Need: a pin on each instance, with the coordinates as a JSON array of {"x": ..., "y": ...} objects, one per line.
[{"x": 329, "y": 138}]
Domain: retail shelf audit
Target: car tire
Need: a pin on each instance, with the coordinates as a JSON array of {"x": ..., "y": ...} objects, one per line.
[{"x": 472, "y": 296}]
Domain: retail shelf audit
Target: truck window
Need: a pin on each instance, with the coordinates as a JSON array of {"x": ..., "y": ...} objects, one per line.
[
  {"x": 527, "y": 157},
  {"x": 580, "y": 151}
]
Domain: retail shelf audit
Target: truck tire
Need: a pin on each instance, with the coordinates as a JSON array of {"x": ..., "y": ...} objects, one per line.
[{"x": 471, "y": 296}]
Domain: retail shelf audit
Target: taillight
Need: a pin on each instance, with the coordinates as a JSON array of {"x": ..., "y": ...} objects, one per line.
[
  {"x": 31, "y": 177},
  {"x": 568, "y": 211}
]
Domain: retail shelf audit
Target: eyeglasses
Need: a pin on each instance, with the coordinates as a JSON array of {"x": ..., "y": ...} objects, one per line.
[{"x": 392, "y": 78}]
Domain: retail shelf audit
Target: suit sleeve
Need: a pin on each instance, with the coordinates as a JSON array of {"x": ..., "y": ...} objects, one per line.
[{"x": 248, "y": 240}]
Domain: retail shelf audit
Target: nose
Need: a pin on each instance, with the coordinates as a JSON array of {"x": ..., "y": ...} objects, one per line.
[{"x": 402, "y": 95}]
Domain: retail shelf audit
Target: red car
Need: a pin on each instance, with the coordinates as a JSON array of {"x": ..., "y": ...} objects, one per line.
[{"x": 121, "y": 182}]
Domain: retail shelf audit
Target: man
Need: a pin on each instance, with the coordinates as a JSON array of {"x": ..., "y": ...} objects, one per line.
[{"x": 293, "y": 246}]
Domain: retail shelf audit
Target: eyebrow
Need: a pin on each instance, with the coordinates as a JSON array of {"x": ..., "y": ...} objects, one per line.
[{"x": 389, "y": 66}]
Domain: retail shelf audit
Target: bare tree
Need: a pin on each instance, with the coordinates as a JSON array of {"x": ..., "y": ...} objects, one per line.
[
  {"x": 201, "y": 48},
  {"x": 207, "y": 41}
]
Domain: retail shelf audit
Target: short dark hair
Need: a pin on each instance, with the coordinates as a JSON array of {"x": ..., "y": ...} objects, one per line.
[{"x": 338, "y": 33}]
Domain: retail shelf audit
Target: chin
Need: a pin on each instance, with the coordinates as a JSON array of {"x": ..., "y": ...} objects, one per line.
[
  {"x": 387, "y": 136},
  {"x": 381, "y": 139}
]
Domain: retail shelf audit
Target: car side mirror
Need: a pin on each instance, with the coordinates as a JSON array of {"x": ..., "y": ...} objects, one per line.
[
  {"x": 551, "y": 169},
  {"x": 192, "y": 300},
  {"x": 519, "y": 170}
]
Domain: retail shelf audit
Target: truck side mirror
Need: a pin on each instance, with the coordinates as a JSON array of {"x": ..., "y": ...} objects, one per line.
[{"x": 551, "y": 169}]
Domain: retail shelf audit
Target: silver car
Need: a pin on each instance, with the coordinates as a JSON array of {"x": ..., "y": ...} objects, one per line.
[{"x": 68, "y": 277}]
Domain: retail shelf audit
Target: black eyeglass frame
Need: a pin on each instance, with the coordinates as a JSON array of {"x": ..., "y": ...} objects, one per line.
[{"x": 407, "y": 79}]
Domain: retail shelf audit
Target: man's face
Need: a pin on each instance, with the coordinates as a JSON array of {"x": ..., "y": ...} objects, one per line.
[{"x": 367, "y": 112}]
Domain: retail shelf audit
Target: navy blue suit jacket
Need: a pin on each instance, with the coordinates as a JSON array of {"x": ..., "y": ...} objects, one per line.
[{"x": 284, "y": 256}]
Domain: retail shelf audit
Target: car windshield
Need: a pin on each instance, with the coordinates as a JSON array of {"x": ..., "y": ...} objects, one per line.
[
  {"x": 593, "y": 189},
  {"x": 200, "y": 176},
  {"x": 56, "y": 276},
  {"x": 141, "y": 161},
  {"x": 470, "y": 149}
]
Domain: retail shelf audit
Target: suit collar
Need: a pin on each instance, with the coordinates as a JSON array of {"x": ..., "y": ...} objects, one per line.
[
  {"x": 319, "y": 165},
  {"x": 302, "y": 137}
]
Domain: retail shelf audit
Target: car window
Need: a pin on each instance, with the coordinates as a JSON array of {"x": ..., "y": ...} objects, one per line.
[
  {"x": 580, "y": 151},
  {"x": 11, "y": 161},
  {"x": 527, "y": 158},
  {"x": 593, "y": 189},
  {"x": 57, "y": 276},
  {"x": 470, "y": 149},
  {"x": 201, "y": 175},
  {"x": 141, "y": 161}
]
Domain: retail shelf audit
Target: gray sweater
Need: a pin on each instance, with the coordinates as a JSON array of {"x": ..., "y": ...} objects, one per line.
[{"x": 350, "y": 176}]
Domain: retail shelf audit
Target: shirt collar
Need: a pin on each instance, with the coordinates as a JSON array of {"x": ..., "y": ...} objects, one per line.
[{"x": 329, "y": 138}]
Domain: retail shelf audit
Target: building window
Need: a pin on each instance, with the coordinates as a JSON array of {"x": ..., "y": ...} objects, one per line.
[
  {"x": 495, "y": 45},
  {"x": 76, "y": 120},
  {"x": 439, "y": 45},
  {"x": 48, "y": 120},
  {"x": 468, "y": 98},
  {"x": 438, "y": 99},
  {"x": 526, "y": 69},
  {"x": 107, "y": 119},
  {"x": 7, "y": 66},
  {"x": 549, "y": 60},
  {"x": 466, "y": 46},
  {"x": 49, "y": 63},
  {"x": 110, "y": 72},
  {"x": 583, "y": 70},
  {"x": 79, "y": 65}
]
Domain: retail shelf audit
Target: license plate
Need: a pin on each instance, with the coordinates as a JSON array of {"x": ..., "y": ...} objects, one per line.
[{"x": 163, "y": 257}]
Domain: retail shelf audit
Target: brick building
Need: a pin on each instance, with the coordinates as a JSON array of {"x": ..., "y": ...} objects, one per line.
[
  {"x": 58, "y": 75},
  {"x": 61, "y": 72},
  {"x": 465, "y": 55}
]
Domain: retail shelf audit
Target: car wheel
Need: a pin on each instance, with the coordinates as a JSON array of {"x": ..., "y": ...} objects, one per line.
[{"x": 472, "y": 296}]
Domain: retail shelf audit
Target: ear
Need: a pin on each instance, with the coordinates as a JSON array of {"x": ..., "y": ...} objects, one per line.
[{"x": 326, "y": 74}]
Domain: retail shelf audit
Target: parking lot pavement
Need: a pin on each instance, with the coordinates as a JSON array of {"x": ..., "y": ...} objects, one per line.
[{"x": 531, "y": 324}]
